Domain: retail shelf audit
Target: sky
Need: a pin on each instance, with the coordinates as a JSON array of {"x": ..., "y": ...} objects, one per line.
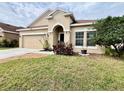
[{"x": 23, "y": 14}]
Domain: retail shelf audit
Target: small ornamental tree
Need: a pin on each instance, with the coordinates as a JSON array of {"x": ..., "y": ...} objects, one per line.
[
  {"x": 46, "y": 45},
  {"x": 110, "y": 32}
]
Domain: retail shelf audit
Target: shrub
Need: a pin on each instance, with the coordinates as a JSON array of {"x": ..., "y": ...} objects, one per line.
[
  {"x": 110, "y": 52},
  {"x": 14, "y": 43},
  {"x": 0, "y": 43},
  {"x": 62, "y": 49},
  {"x": 7, "y": 43},
  {"x": 46, "y": 45}
]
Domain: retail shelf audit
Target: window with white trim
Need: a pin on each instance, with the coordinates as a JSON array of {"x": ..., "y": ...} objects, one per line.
[
  {"x": 79, "y": 38},
  {"x": 90, "y": 36}
]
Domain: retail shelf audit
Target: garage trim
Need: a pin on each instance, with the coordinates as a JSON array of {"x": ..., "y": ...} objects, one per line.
[
  {"x": 36, "y": 34},
  {"x": 28, "y": 34},
  {"x": 32, "y": 34}
]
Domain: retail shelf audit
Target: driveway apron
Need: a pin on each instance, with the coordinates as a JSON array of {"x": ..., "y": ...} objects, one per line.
[{"x": 15, "y": 52}]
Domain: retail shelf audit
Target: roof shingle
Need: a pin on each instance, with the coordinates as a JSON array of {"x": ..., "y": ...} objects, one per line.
[{"x": 9, "y": 27}]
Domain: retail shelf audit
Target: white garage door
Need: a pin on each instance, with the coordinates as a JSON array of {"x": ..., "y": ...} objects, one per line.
[{"x": 33, "y": 41}]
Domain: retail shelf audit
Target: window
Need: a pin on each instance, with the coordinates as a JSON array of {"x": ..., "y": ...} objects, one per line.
[
  {"x": 90, "y": 36},
  {"x": 79, "y": 38}
]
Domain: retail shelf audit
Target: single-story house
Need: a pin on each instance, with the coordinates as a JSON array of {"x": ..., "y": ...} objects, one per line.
[
  {"x": 9, "y": 32},
  {"x": 59, "y": 25}
]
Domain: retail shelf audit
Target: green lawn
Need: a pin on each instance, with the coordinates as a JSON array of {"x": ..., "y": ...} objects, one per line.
[
  {"x": 4, "y": 48},
  {"x": 63, "y": 73}
]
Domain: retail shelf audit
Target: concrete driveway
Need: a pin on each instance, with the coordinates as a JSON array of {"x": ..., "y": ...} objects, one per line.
[{"x": 15, "y": 52}]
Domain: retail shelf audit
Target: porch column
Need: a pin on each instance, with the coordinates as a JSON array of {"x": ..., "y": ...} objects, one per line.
[
  {"x": 50, "y": 34},
  {"x": 67, "y": 37},
  {"x": 85, "y": 39}
]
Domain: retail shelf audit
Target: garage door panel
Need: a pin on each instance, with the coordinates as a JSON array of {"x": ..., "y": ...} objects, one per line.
[{"x": 33, "y": 41}]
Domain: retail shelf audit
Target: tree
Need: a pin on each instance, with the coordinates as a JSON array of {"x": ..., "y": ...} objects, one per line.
[{"x": 110, "y": 32}]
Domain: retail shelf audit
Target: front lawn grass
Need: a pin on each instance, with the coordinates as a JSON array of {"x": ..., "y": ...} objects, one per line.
[
  {"x": 63, "y": 73},
  {"x": 4, "y": 48}
]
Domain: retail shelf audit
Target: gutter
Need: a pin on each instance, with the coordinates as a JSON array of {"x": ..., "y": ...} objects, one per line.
[
  {"x": 81, "y": 24},
  {"x": 10, "y": 32},
  {"x": 26, "y": 29}
]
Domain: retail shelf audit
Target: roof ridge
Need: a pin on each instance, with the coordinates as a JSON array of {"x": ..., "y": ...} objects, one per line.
[{"x": 58, "y": 10}]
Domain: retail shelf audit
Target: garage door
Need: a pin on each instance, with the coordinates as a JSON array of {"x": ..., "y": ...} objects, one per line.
[{"x": 33, "y": 41}]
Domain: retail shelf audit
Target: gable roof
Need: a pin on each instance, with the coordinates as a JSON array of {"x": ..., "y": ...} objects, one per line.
[
  {"x": 56, "y": 11},
  {"x": 46, "y": 13},
  {"x": 49, "y": 13},
  {"x": 66, "y": 13},
  {"x": 9, "y": 27}
]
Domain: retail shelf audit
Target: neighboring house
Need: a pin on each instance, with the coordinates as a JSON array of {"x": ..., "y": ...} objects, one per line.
[
  {"x": 9, "y": 32},
  {"x": 60, "y": 26}
]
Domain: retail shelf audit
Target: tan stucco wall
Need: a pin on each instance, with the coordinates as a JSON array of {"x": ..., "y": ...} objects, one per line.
[
  {"x": 97, "y": 49},
  {"x": 1, "y": 38},
  {"x": 59, "y": 19},
  {"x": 51, "y": 39},
  {"x": 40, "y": 22},
  {"x": 67, "y": 37},
  {"x": 1, "y": 34},
  {"x": 11, "y": 36}
]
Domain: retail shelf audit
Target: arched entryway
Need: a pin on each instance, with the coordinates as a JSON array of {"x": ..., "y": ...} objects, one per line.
[{"x": 58, "y": 34}]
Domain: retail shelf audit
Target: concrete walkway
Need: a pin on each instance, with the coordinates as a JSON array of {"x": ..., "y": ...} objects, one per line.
[{"x": 15, "y": 52}]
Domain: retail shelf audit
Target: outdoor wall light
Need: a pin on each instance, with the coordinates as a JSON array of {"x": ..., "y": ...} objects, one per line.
[{"x": 47, "y": 35}]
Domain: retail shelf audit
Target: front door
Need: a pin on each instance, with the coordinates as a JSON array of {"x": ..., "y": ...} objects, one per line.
[{"x": 61, "y": 37}]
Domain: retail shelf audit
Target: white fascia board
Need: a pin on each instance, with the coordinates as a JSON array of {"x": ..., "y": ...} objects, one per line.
[
  {"x": 23, "y": 29},
  {"x": 38, "y": 28},
  {"x": 10, "y": 32},
  {"x": 22, "y": 34},
  {"x": 67, "y": 14},
  {"x": 80, "y": 24},
  {"x": 2, "y": 31},
  {"x": 86, "y": 30},
  {"x": 52, "y": 12},
  {"x": 49, "y": 17}
]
